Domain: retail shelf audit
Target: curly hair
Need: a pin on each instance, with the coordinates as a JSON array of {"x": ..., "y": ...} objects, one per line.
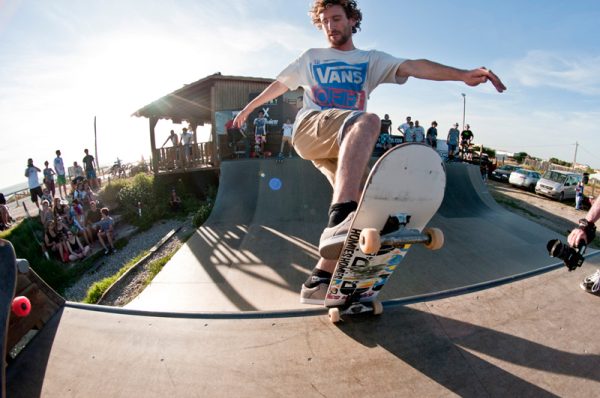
[{"x": 349, "y": 6}]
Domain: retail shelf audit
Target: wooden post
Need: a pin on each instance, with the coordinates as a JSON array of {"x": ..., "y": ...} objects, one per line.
[
  {"x": 155, "y": 155},
  {"x": 216, "y": 156}
]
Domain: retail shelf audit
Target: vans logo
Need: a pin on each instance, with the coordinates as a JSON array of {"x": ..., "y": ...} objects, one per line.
[{"x": 340, "y": 85}]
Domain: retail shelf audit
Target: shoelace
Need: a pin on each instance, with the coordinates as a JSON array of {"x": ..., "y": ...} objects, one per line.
[{"x": 596, "y": 279}]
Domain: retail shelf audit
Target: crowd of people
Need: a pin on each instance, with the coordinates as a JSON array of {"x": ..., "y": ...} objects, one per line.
[
  {"x": 459, "y": 143},
  {"x": 71, "y": 216}
]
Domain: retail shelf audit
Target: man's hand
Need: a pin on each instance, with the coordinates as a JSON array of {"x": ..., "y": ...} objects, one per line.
[
  {"x": 482, "y": 75},
  {"x": 577, "y": 235}
]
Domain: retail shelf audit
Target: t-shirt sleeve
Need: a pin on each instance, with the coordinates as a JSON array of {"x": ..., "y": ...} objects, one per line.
[
  {"x": 293, "y": 74},
  {"x": 383, "y": 67}
]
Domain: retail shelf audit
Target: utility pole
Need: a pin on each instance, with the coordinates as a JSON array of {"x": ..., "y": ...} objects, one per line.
[
  {"x": 464, "y": 108},
  {"x": 575, "y": 157}
]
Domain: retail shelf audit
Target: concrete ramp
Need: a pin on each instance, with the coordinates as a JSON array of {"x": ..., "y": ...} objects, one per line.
[{"x": 259, "y": 243}]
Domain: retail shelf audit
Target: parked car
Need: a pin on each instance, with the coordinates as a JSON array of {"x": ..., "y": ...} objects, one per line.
[
  {"x": 558, "y": 184},
  {"x": 503, "y": 173},
  {"x": 524, "y": 178}
]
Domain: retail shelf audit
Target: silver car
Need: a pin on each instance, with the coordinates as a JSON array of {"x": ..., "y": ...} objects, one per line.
[{"x": 524, "y": 178}]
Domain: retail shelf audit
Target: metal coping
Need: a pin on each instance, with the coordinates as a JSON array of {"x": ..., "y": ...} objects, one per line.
[{"x": 319, "y": 310}]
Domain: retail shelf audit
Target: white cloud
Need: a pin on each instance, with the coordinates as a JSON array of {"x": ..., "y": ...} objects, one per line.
[{"x": 573, "y": 72}]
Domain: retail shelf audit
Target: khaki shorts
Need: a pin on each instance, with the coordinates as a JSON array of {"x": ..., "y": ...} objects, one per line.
[{"x": 319, "y": 136}]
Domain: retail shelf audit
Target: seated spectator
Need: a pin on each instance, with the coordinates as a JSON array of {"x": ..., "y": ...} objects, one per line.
[
  {"x": 59, "y": 207},
  {"x": 74, "y": 247},
  {"x": 46, "y": 214},
  {"x": 77, "y": 215},
  {"x": 175, "y": 201},
  {"x": 92, "y": 217},
  {"x": 89, "y": 197},
  {"x": 5, "y": 218},
  {"x": 53, "y": 241},
  {"x": 106, "y": 231},
  {"x": 46, "y": 195}
]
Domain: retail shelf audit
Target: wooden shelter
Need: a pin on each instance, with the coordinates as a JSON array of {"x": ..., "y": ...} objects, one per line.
[{"x": 211, "y": 100}]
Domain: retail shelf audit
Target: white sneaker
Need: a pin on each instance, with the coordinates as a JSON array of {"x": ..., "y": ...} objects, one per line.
[
  {"x": 591, "y": 284},
  {"x": 333, "y": 238}
]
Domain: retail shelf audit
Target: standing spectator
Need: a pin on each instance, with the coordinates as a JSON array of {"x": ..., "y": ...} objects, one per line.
[
  {"x": 186, "y": 142},
  {"x": 452, "y": 141},
  {"x": 49, "y": 178},
  {"x": 403, "y": 128},
  {"x": 173, "y": 137},
  {"x": 35, "y": 189},
  {"x": 287, "y": 130},
  {"x": 409, "y": 133},
  {"x": 578, "y": 195},
  {"x": 90, "y": 169},
  {"x": 61, "y": 177},
  {"x": 419, "y": 132},
  {"x": 106, "y": 231},
  {"x": 260, "y": 132},
  {"x": 5, "y": 218},
  {"x": 386, "y": 125},
  {"x": 432, "y": 135},
  {"x": 484, "y": 167},
  {"x": 78, "y": 175},
  {"x": 466, "y": 140}
]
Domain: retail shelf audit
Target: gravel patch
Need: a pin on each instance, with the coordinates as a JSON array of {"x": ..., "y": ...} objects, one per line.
[{"x": 109, "y": 265}]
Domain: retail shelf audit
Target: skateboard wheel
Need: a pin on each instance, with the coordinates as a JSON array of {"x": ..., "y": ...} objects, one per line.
[
  {"x": 370, "y": 241},
  {"x": 334, "y": 315},
  {"x": 377, "y": 308},
  {"x": 436, "y": 238},
  {"x": 21, "y": 306}
]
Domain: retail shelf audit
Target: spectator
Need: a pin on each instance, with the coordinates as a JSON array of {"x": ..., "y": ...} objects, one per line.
[
  {"x": 31, "y": 172},
  {"x": 403, "y": 128},
  {"x": 61, "y": 178},
  {"x": 49, "y": 178},
  {"x": 432, "y": 135},
  {"x": 46, "y": 214},
  {"x": 409, "y": 133},
  {"x": 46, "y": 195},
  {"x": 484, "y": 166},
  {"x": 54, "y": 241},
  {"x": 419, "y": 132},
  {"x": 5, "y": 218},
  {"x": 78, "y": 175},
  {"x": 386, "y": 125},
  {"x": 75, "y": 249},
  {"x": 57, "y": 208},
  {"x": 174, "y": 201},
  {"x": 260, "y": 133},
  {"x": 287, "y": 131},
  {"x": 452, "y": 141},
  {"x": 585, "y": 234},
  {"x": 90, "y": 169},
  {"x": 89, "y": 197},
  {"x": 578, "y": 195},
  {"x": 92, "y": 217},
  {"x": 186, "y": 142},
  {"x": 173, "y": 137},
  {"x": 466, "y": 140},
  {"x": 106, "y": 231},
  {"x": 78, "y": 216}
]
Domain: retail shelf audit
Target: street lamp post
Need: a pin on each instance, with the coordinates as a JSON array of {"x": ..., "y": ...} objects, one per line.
[{"x": 464, "y": 108}]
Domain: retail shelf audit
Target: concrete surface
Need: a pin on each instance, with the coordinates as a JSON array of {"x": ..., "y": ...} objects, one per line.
[{"x": 259, "y": 244}]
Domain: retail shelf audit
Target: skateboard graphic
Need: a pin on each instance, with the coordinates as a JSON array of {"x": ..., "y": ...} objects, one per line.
[{"x": 402, "y": 193}]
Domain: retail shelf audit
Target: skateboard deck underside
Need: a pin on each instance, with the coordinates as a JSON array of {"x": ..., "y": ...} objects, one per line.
[
  {"x": 407, "y": 180},
  {"x": 8, "y": 274}
]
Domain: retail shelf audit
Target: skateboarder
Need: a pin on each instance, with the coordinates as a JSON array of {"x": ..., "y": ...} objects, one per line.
[
  {"x": 586, "y": 232},
  {"x": 332, "y": 129}
]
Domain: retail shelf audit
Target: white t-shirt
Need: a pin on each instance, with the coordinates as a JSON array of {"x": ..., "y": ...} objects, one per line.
[
  {"x": 59, "y": 166},
  {"x": 33, "y": 181},
  {"x": 339, "y": 79},
  {"x": 287, "y": 129}
]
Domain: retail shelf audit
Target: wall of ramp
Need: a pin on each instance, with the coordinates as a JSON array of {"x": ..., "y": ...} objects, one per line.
[{"x": 259, "y": 243}]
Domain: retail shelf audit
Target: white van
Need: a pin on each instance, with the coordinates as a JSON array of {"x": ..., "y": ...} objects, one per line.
[{"x": 558, "y": 184}]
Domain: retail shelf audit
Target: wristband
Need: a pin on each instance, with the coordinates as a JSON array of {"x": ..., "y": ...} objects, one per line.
[{"x": 589, "y": 228}]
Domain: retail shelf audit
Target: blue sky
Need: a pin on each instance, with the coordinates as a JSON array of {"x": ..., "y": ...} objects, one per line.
[{"x": 62, "y": 62}]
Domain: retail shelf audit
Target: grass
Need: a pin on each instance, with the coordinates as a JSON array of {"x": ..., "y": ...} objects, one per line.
[
  {"x": 99, "y": 288},
  {"x": 514, "y": 205}
]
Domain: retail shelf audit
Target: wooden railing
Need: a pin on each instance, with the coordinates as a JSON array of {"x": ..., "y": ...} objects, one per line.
[{"x": 180, "y": 158}]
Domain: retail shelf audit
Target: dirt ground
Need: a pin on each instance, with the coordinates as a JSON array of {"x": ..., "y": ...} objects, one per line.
[{"x": 557, "y": 216}]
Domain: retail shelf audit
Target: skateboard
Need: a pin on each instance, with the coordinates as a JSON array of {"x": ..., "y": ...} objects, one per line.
[
  {"x": 8, "y": 277},
  {"x": 403, "y": 191}
]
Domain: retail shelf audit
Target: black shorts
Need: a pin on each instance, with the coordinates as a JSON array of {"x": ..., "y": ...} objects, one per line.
[{"x": 36, "y": 193}]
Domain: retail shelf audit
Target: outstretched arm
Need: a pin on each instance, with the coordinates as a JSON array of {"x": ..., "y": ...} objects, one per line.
[
  {"x": 578, "y": 234},
  {"x": 425, "y": 69},
  {"x": 274, "y": 90}
]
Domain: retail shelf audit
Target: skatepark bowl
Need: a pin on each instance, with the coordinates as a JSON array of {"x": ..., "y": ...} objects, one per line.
[{"x": 223, "y": 317}]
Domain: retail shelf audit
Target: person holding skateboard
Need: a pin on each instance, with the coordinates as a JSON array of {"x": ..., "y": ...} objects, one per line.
[{"x": 333, "y": 129}]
